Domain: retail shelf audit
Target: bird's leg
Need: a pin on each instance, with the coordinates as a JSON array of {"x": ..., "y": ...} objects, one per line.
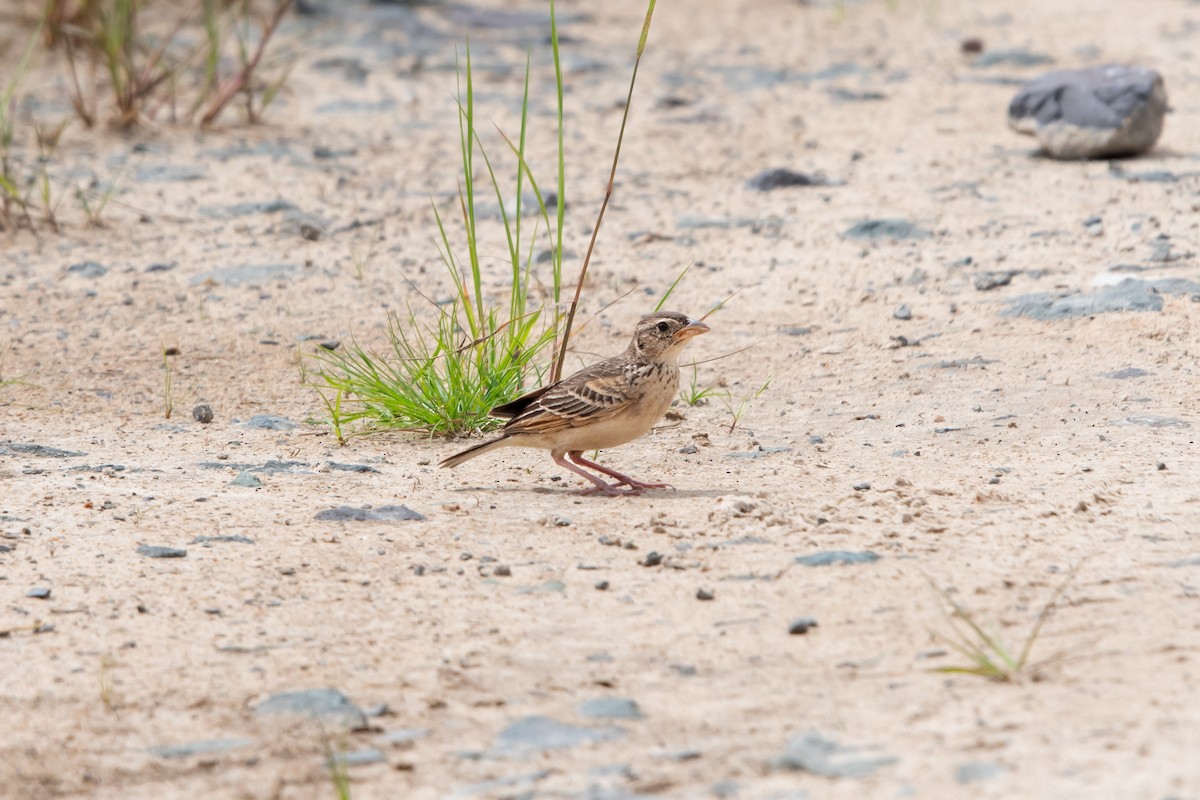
[
  {"x": 600, "y": 486},
  {"x": 634, "y": 485}
]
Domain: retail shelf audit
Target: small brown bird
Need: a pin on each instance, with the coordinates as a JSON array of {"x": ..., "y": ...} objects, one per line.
[{"x": 610, "y": 403}]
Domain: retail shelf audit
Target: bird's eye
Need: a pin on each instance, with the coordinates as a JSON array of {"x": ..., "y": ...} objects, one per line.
[{"x": 664, "y": 327}]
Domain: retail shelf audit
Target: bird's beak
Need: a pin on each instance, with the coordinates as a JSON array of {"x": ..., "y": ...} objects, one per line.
[{"x": 694, "y": 328}]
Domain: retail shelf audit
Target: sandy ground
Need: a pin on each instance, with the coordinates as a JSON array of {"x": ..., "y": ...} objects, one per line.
[{"x": 990, "y": 455}]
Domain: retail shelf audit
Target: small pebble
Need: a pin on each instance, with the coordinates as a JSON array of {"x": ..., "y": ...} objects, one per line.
[
  {"x": 704, "y": 594},
  {"x": 1162, "y": 466},
  {"x": 652, "y": 559},
  {"x": 38, "y": 593},
  {"x": 902, "y": 313},
  {"x": 503, "y": 571},
  {"x": 800, "y": 626},
  {"x": 203, "y": 413},
  {"x": 602, "y": 586},
  {"x": 862, "y": 487}
]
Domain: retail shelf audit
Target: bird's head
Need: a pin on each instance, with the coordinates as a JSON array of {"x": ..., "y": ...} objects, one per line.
[{"x": 663, "y": 334}]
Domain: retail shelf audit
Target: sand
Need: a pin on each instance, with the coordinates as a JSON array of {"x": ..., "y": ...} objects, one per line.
[{"x": 988, "y": 455}]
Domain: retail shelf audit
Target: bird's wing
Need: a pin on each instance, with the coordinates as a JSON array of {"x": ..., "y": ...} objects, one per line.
[
  {"x": 590, "y": 395},
  {"x": 514, "y": 407}
]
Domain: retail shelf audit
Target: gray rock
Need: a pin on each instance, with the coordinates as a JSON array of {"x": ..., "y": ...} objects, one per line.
[
  {"x": 247, "y": 479},
  {"x": 840, "y": 557},
  {"x": 158, "y": 551},
  {"x": 231, "y": 538},
  {"x": 168, "y": 173},
  {"x": 783, "y": 178},
  {"x": 801, "y": 626},
  {"x": 37, "y": 450},
  {"x": 903, "y": 313},
  {"x": 986, "y": 281},
  {"x": 610, "y": 708},
  {"x": 350, "y": 467},
  {"x": 203, "y": 413},
  {"x": 270, "y": 422},
  {"x": 876, "y": 229},
  {"x": 356, "y": 758},
  {"x": 88, "y": 269},
  {"x": 1127, "y": 373},
  {"x": 38, "y": 593},
  {"x": 534, "y": 733},
  {"x": 327, "y": 705},
  {"x": 356, "y": 106},
  {"x": 1130, "y": 294},
  {"x": 1097, "y": 112},
  {"x": 245, "y": 209},
  {"x": 367, "y": 514},
  {"x": 976, "y": 771},
  {"x": 1151, "y": 421},
  {"x": 1012, "y": 58},
  {"x": 812, "y": 752},
  {"x": 204, "y": 747},
  {"x": 247, "y": 274},
  {"x": 757, "y": 453},
  {"x": 850, "y": 96}
]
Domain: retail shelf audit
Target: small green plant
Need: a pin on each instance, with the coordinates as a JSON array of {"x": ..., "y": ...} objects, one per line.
[
  {"x": 363, "y": 255},
  {"x": 986, "y": 654},
  {"x": 14, "y": 204},
  {"x": 736, "y": 406},
  {"x": 337, "y": 765},
  {"x": 447, "y": 367},
  {"x": 694, "y": 394},
  {"x": 145, "y": 65},
  {"x": 449, "y": 364}
]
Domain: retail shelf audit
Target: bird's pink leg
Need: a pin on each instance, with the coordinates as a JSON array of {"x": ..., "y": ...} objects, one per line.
[
  {"x": 634, "y": 485},
  {"x": 600, "y": 486}
]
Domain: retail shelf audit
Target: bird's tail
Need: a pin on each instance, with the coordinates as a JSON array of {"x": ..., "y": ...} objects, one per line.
[{"x": 475, "y": 450}]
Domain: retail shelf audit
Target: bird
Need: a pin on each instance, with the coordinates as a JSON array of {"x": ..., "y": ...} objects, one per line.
[{"x": 607, "y": 404}]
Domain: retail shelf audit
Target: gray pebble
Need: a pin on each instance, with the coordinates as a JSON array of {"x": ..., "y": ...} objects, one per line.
[
  {"x": 975, "y": 771},
  {"x": 610, "y": 708},
  {"x": 502, "y": 571},
  {"x": 840, "y": 557},
  {"x": 602, "y": 586},
  {"x": 863, "y": 486},
  {"x": 902, "y": 313},
  {"x": 199, "y": 748},
  {"x": 1014, "y": 57},
  {"x": 652, "y": 559},
  {"x": 203, "y": 413},
  {"x": 801, "y": 626},
  {"x": 986, "y": 281},
  {"x": 158, "y": 551},
  {"x": 327, "y": 705},
  {"x": 782, "y": 178},
  {"x": 704, "y": 594},
  {"x": 269, "y": 422},
  {"x": 812, "y": 752},
  {"x": 88, "y": 269},
  {"x": 876, "y": 229},
  {"x": 247, "y": 274},
  {"x": 368, "y": 514},
  {"x": 536, "y": 733},
  {"x": 247, "y": 479},
  {"x": 38, "y": 593}
]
